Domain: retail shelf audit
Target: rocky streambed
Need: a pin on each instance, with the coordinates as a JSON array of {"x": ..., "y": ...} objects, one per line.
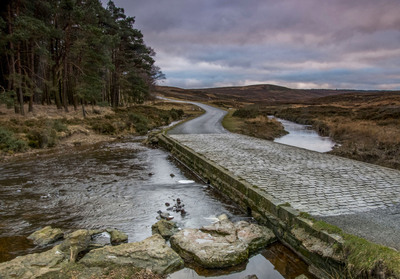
[
  {"x": 219, "y": 245},
  {"x": 85, "y": 253}
]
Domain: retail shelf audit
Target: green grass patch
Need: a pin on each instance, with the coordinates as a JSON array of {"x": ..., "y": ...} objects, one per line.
[
  {"x": 135, "y": 120},
  {"x": 323, "y": 226},
  {"x": 140, "y": 122},
  {"x": 10, "y": 143},
  {"x": 284, "y": 204},
  {"x": 306, "y": 215},
  {"x": 365, "y": 258},
  {"x": 230, "y": 122}
]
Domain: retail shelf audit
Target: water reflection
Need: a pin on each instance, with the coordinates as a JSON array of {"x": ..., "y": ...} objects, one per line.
[
  {"x": 276, "y": 262},
  {"x": 304, "y": 137}
]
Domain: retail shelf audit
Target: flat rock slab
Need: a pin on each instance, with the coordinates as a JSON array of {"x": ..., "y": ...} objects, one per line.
[
  {"x": 152, "y": 253},
  {"x": 33, "y": 265},
  {"x": 222, "y": 244}
]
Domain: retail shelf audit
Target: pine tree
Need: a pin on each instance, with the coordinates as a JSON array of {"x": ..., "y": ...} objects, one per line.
[{"x": 73, "y": 52}]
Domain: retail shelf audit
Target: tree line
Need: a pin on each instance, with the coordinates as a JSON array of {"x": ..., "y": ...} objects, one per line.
[{"x": 72, "y": 52}]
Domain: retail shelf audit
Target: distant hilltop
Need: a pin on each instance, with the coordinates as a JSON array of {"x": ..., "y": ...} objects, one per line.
[{"x": 264, "y": 93}]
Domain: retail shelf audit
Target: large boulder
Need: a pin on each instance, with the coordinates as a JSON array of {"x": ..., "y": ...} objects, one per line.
[
  {"x": 34, "y": 265},
  {"x": 165, "y": 228},
  {"x": 221, "y": 244},
  {"x": 152, "y": 253},
  {"x": 45, "y": 236},
  {"x": 208, "y": 250}
]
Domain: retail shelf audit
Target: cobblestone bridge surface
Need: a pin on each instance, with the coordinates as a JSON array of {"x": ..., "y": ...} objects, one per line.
[{"x": 317, "y": 183}]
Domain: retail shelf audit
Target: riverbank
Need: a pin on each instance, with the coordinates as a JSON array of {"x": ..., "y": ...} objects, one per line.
[{"x": 50, "y": 130}]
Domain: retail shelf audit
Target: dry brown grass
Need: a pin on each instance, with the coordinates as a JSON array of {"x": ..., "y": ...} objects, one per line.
[
  {"x": 52, "y": 112},
  {"x": 259, "y": 126},
  {"x": 363, "y": 131},
  {"x": 47, "y": 127},
  {"x": 366, "y": 126}
]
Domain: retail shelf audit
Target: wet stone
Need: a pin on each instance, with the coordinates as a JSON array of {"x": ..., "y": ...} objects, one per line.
[
  {"x": 117, "y": 237},
  {"x": 222, "y": 244},
  {"x": 152, "y": 253},
  {"x": 76, "y": 242},
  {"x": 165, "y": 228},
  {"x": 47, "y": 235}
]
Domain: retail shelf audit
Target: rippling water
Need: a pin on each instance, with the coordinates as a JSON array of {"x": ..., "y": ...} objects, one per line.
[
  {"x": 114, "y": 185},
  {"x": 305, "y": 137}
]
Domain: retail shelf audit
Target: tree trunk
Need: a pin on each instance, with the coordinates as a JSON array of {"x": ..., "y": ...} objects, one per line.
[
  {"x": 32, "y": 76},
  {"x": 54, "y": 69},
  {"x": 55, "y": 87},
  {"x": 65, "y": 87},
  {"x": 20, "y": 93},
  {"x": 11, "y": 81},
  {"x": 83, "y": 110}
]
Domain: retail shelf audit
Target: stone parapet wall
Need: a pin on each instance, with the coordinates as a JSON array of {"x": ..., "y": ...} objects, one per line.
[{"x": 315, "y": 246}]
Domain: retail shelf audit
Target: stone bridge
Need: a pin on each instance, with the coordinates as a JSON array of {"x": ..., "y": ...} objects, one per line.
[
  {"x": 316, "y": 183},
  {"x": 277, "y": 182},
  {"x": 361, "y": 198}
]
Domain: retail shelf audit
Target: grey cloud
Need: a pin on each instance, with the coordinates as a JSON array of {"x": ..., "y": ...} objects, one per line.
[{"x": 275, "y": 37}]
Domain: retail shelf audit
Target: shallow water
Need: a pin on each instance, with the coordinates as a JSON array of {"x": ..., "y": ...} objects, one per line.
[
  {"x": 304, "y": 136},
  {"x": 118, "y": 185},
  {"x": 275, "y": 262}
]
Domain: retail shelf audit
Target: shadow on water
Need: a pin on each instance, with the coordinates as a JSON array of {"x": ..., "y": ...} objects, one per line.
[{"x": 118, "y": 185}]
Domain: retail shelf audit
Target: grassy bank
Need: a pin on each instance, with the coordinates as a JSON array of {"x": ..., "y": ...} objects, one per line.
[
  {"x": 49, "y": 128},
  {"x": 258, "y": 126},
  {"x": 364, "y": 259}
]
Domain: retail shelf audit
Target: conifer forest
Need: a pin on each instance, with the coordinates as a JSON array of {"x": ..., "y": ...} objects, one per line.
[{"x": 72, "y": 53}]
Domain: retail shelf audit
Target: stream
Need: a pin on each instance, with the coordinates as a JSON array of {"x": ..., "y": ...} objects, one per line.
[
  {"x": 304, "y": 136},
  {"x": 122, "y": 185}
]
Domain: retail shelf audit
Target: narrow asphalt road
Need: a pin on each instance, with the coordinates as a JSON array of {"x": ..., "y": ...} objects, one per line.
[{"x": 208, "y": 123}]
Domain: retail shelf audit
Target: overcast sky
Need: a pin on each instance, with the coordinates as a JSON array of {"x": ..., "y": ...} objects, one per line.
[{"x": 295, "y": 43}]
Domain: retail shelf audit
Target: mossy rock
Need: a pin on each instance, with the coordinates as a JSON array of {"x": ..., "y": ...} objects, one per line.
[
  {"x": 165, "y": 228},
  {"x": 47, "y": 235}
]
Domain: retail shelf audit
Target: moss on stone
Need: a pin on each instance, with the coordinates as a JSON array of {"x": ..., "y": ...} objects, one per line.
[{"x": 365, "y": 258}]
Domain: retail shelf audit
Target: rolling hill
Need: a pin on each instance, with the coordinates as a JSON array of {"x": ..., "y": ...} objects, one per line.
[{"x": 261, "y": 93}]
